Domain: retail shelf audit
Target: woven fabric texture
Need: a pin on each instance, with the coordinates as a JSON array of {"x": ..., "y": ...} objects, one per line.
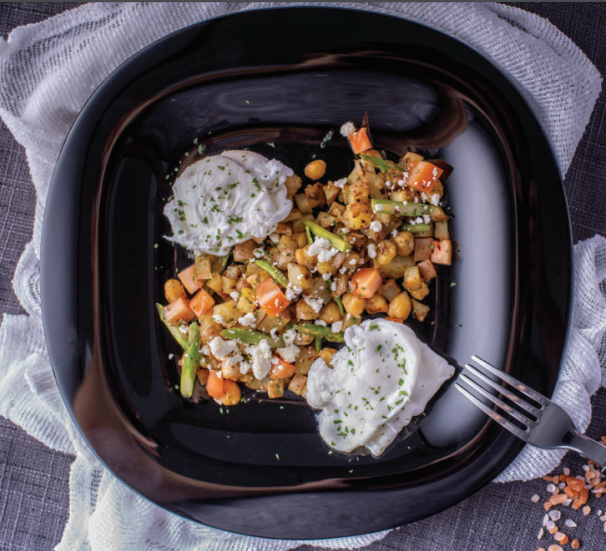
[{"x": 95, "y": 520}]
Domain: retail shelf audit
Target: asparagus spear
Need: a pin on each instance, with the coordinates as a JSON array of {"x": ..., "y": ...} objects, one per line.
[
  {"x": 409, "y": 209},
  {"x": 174, "y": 330},
  {"x": 249, "y": 336},
  {"x": 320, "y": 331},
  {"x": 335, "y": 241},
  {"x": 310, "y": 239},
  {"x": 276, "y": 274},
  {"x": 381, "y": 164},
  {"x": 340, "y": 305},
  {"x": 415, "y": 228},
  {"x": 190, "y": 361}
]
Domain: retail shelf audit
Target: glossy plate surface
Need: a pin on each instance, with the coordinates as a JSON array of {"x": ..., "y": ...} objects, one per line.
[{"x": 252, "y": 80}]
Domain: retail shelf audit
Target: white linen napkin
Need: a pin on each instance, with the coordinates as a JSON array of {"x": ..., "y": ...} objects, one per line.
[{"x": 47, "y": 72}]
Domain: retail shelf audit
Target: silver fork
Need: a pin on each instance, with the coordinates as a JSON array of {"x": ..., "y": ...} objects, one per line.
[{"x": 535, "y": 419}]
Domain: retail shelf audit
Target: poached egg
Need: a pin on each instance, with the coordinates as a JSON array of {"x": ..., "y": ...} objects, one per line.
[
  {"x": 222, "y": 200},
  {"x": 382, "y": 378}
]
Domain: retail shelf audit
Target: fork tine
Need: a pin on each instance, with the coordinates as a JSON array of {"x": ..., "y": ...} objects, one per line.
[
  {"x": 491, "y": 412},
  {"x": 497, "y": 402},
  {"x": 515, "y": 399},
  {"x": 513, "y": 382}
]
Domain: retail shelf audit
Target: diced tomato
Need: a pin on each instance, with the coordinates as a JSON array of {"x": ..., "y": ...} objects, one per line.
[
  {"x": 442, "y": 252},
  {"x": 271, "y": 298},
  {"x": 201, "y": 303},
  {"x": 359, "y": 141},
  {"x": 395, "y": 320},
  {"x": 179, "y": 310},
  {"x": 365, "y": 282},
  {"x": 214, "y": 385},
  {"x": 423, "y": 176},
  {"x": 281, "y": 370},
  {"x": 189, "y": 279}
]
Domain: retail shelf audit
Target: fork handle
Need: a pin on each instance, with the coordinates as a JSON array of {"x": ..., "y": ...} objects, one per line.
[{"x": 589, "y": 448}]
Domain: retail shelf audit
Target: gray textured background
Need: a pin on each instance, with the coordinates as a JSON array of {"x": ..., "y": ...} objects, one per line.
[{"x": 34, "y": 497}]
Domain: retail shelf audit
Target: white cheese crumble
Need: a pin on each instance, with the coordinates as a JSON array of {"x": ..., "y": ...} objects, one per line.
[
  {"x": 347, "y": 129},
  {"x": 336, "y": 326},
  {"x": 376, "y": 226},
  {"x": 289, "y": 353},
  {"x": 248, "y": 320},
  {"x": 261, "y": 358},
  {"x": 289, "y": 336},
  {"x": 322, "y": 248},
  {"x": 221, "y": 348},
  {"x": 341, "y": 183},
  {"x": 320, "y": 322},
  {"x": 435, "y": 199},
  {"x": 234, "y": 295},
  {"x": 258, "y": 253},
  {"x": 217, "y": 318},
  {"x": 372, "y": 250},
  {"x": 293, "y": 291},
  {"x": 379, "y": 207},
  {"x": 315, "y": 303}
]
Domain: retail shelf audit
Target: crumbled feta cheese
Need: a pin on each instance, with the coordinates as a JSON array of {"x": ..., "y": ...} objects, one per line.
[
  {"x": 274, "y": 333},
  {"x": 326, "y": 276},
  {"x": 320, "y": 322},
  {"x": 372, "y": 250},
  {"x": 434, "y": 173},
  {"x": 379, "y": 207},
  {"x": 248, "y": 320},
  {"x": 347, "y": 129},
  {"x": 427, "y": 218},
  {"x": 419, "y": 220},
  {"x": 394, "y": 233},
  {"x": 424, "y": 197},
  {"x": 234, "y": 295},
  {"x": 289, "y": 353},
  {"x": 183, "y": 328},
  {"x": 344, "y": 230},
  {"x": 435, "y": 199},
  {"x": 275, "y": 360},
  {"x": 293, "y": 291},
  {"x": 336, "y": 327},
  {"x": 259, "y": 253},
  {"x": 244, "y": 367},
  {"x": 221, "y": 348},
  {"x": 315, "y": 303},
  {"x": 376, "y": 226},
  {"x": 233, "y": 360},
  {"x": 322, "y": 248},
  {"x": 171, "y": 356},
  {"x": 217, "y": 318},
  {"x": 261, "y": 358},
  {"x": 205, "y": 350},
  {"x": 342, "y": 269},
  {"x": 340, "y": 183},
  {"x": 289, "y": 336}
]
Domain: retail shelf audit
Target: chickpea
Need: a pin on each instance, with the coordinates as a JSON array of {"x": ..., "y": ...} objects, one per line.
[
  {"x": 315, "y": 170},
  {"x": 353, "y": 305},
  {"x": 330, "y": 313},
  {"x": 376, "y": 304},
  {"x": 231, "y": 393},
  {"x": 304, "y": 259},
  {"x": 399, "y": 307},
  {"x": 275, "y": 388},
  {"x": 302, "y": 339},
  {"x": 174, "y": 290},
  {"x": 292, "y": 183},
  {"x": 405, "y": 243},
  {"x": 386, "y": 252},
  {"x": 326, "y": 268},
  {"x": 351, "y": 261},
  {"x": 305, "y": 312}
]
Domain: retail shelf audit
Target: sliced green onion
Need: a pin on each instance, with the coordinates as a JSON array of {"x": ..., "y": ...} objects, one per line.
[
  {"x": 340, "y": 305},
  {"x": 249, "y": 336},
  {"x": 276, "y": 274},
  {"x": 320, "y": 331},
  {"x": 381, "y": 164},
  {"x": 310, "y": 239},
  {"x": 174, "y": 330},
  {"x": 335, "y": 241}
]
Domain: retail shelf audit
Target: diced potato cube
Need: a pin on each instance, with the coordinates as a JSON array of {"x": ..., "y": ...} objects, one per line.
[
  {"x": 419, "y": 310},
  {"x": 303, "y": 203},
  {"x": 267, "y": 324},
  {"x": 299, "y": 224},
  {"x": 315, "y": 195},
  {"x": 396, "y": 268},
  {"x": 297, "y": 384},
  {"x": 412, "y": 279},
  {"x": 215, "y": 283},
  {"x": 358, "y": 215},
  {"x": 229, "y": 284},
  {"x": 300, "y": 238},
  {"x": 331, "y": 192},
  {"x": 389, "y": 289},
  {"x": 275, "y": 388},
  {"x": 441, "y": 230},
  {"x": 405, "y": 243},
  {"x": 376, "y": 304},
  {"x": 247, "y": 301},
  {"x": 228, "y": 311},
  {"x": 293, "y": 184},
  {"x": 256, "y": 279},
  {"x": 284, "y": 228},
  {"x": 285, "y": 257},
  {"x": 409, "y": 159},
  {"x": 307, "y": 356},
  {"x": 244, "y": 251},
  {"x": 423, "y": 248},
  {"x": 295, "y": 214},
  {"x": 326, "y": 220},
  {"x": 420, "y": 293},
  {"x": 359, "y": 191},
  {"x": 287, "y": 242},
  {"x": 427, "y": 270}
]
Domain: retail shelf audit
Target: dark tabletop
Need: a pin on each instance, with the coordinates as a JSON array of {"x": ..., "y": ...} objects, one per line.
[{"x": 34, "y": 493}]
